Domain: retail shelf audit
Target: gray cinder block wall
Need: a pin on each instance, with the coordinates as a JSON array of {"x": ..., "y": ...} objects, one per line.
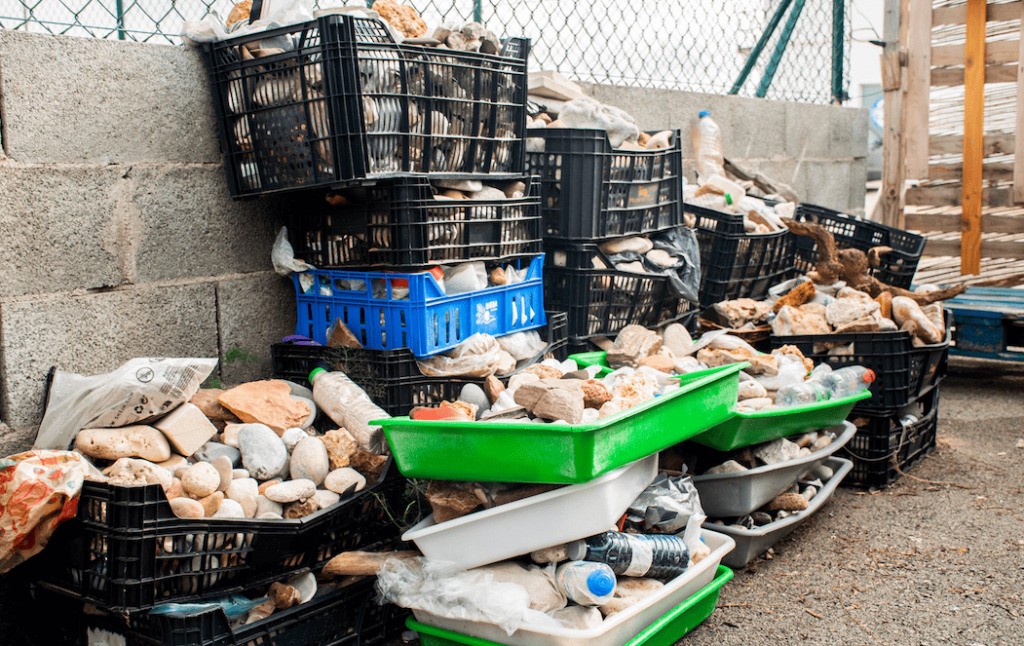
[{"x": 119, "y": 238}]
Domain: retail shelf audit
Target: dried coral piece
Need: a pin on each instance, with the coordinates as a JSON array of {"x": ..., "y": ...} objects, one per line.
[
  {"x": 787, "y": 502},
  {"x": 802, "y": 293},
  {"x": 403, "y": 18}
]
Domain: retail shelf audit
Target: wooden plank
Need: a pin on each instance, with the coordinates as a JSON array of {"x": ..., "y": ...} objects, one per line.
[
  {"x": 999, "y": 172},
  {"x": 890, "y": 198},
  {"x": 952, "y": 195},
  {"x": 950, "y": 222},
  {"x": 974, "y": 136},
  {"x": 950, "y": 76},
  {"x": 994, "y": 144},
  {"x": 996, "y": 52},
  {"x": 1018, "y": 160},
  {"x": 918, "y": 87},
  {"x": 958, "y": 15},
  {"x": 988, "y": 249}
]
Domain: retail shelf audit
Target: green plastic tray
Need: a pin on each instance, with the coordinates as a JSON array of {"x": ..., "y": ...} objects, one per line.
[
  {"x": 559, "y": 453},
  {"x": 749, "y": 428},
  {"x": 754, "y": 427},
  {"x": 667, "y": 630}
]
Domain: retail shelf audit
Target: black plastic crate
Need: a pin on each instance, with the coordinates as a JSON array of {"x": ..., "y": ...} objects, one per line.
[
  {"x": 345, "y": 104},
  {"x": 897, "y": 268},
  {"x": 391, "y": 378},
  {"x": 348, "y": 615},
  {"x": 886, "y": 446},
  {"x": 401, "y": 224},
  {"x": 735, "y": 264},
  {"x": 902, "y": 372},
  {"x": 127, "y": 551},
  {"x": 600, "y": 302},
  {"x": 591, "y": 191}
]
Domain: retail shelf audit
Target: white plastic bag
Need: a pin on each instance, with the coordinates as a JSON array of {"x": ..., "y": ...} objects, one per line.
[
  {"x": 478, "y": 356},
  {"x": 283, "y": 256},
  {"x": 139, "y": 390}
]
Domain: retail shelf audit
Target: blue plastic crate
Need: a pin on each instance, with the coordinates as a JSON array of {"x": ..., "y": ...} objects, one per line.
[{"x": 427, "y": 321}]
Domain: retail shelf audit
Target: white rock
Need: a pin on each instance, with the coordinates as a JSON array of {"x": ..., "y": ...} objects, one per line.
[
  {"x": 263, "y": 453},
  {"x": 310, "y": 461},
  {"x": 265, "y": 505},
  {"x": 326, "y": 498},
  {"x": 292, "y": 437},
  {"x": 342, "y": 480},
  {"x": 780, "y": 450},
  {"x": 732, "y": 466},
  {"x": 242, "y": 488},
  {"x": 200, "y": 479},
  {"x": 291, "y": 491},
  {"x": 229, "y": 509},
  {"x": 237, "y": 474}
]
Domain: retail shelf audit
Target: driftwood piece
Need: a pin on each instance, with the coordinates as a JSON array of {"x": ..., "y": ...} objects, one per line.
[{"x": 362, "y": 563}]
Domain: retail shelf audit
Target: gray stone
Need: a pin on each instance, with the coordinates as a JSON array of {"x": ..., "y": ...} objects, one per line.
[
  {"x": 780, "y": 450},
  {"x": 263, "y": 452},
  {"x": 730, "y": 466},
  {"x": 473, "y": 394},
  {"x": 95, "y": 333},
  {"x": 212, "y": 450},
  {"x": 75, "y": 100},
  {"x": 63, "y": 229},
  {"x": 822, "y": 472},
  {"x": 298, "y": 390},
  {"x": 761, "y": 518},
  {"x": 254, "y": 312},
  {"x": 309, "y": 461},
  {"x": 188, "y": 226}
]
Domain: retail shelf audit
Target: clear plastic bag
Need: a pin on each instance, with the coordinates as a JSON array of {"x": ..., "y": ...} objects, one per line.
[{"x": 669, "y": 505}]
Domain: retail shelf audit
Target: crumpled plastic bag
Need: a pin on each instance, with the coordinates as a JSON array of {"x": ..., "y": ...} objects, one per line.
[
  {"x": 442, "y": 589},
  {"x": 283, "y": 256},
  {"x": 39, "y": 490},
  {"x": 478, "y": 356},
  {"x": 683, "y": 275},
  {"x": 522, "y": 345},
  {"x": 212, "y": 27},
  {"x": 138, "y": 391},
  {"x": 669, "y": 505}
]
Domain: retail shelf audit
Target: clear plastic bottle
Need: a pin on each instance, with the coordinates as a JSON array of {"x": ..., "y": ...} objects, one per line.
[
  {"x": 707, "y": 146},
  {"x": 585, "y": 582},
  {"x": 348, "y": 406},
  {"x": 848, "y": 381},
  {"x": 805, "y": 392},
  {"x": 661, "y": 556}
]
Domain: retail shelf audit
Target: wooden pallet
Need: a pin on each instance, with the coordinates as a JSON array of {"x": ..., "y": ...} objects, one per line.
[{"x": 988, "y": 323}]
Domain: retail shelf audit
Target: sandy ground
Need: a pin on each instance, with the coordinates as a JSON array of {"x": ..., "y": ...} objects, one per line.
[{"x": 937, "y": 558}]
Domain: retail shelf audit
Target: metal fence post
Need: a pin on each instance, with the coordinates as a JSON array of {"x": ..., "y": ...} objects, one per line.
[
  {"x": 780, "y": 49},
  {"x": 478, "y": 11},
  {"x": 119, "y": 10},
  {"x": 838, "y": 40},
  {"x": 755, "y": 53}
]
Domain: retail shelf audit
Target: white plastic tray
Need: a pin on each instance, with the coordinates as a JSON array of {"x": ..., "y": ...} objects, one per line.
[
  {"x": 616, "y": 630},
  {"x": 731, "y": 495},
  {"x": 751, "y": 543},
  {"x": 551, "y": 518}
]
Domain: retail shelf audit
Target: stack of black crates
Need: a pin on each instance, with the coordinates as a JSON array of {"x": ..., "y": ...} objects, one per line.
[
  {"x": 593, "y": 193},
  {"x": 356, "y": 133},
  {"x": 896, "y": 428}
]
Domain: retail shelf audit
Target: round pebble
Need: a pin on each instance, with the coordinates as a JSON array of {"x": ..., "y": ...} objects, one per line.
[
  {"x": 326, "y": 498},
  {"x": 187, "y": 508},
  {"x": 200, "y": 480},
  {"x": 222, "y": 464},
  {"x": 343, "y": 480},
  {"x": 292, "y": 437},
  {"x": 230, "y": 509},
  {"x": 266, "y": 505},
  {"x": 473, "y": 394},
  {"x": 291, "y": 491},
  {"x": 263, "y": 453},
  {"x": 310, "y": 460},
  {"x": 243, "y": 488}
]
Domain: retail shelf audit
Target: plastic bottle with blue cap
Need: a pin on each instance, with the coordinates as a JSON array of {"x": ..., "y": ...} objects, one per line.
[
  {"x": 586, "y": 583},
  {"x": 707, "y": 146}
]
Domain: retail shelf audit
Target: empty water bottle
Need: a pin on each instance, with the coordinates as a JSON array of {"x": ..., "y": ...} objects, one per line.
[
  {"x": 661, "y": 556},
  {"x": 585, "y": 582},
  {"x": 707, "y": 146},
  {"x": 848, "y": 381},
  {"x": 805, "y": 392}
]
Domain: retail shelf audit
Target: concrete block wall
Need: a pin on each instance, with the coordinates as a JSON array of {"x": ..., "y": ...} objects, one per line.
[
  {"x": 120, "y": 240},
  {"x": 819, "y": 150},
  {"x": 119, "y": 237}
]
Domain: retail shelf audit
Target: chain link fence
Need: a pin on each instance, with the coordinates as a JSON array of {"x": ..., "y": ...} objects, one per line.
[{"x": 695, "y": 45}]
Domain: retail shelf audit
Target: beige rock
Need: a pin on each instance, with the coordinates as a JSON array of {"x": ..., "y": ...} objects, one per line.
[
  {"x": 791, "y": 321},
  {"x": 493, "y": 387},
  {"x": 269, "y": 483},
  {"x": 132, "y": 471},
  {"x": 632, "y": 344},
  {"x": 173, "y": 463},
  {"x": 342, "y": 337},
  {"x": 619, "y": 245},
  {"x": 291, "y": 491},
  {"x": 269, "y": 515},
  {"x": 757, "y": 403},
  {"x": 265, "y": 505},
  {"x": 187, "y": 508},
  {"x": 222, "y": 464},
  {"x": 128, "y": 442},
  {"x": 905, "y": 309},
  {"x": 302, "y": 508},
  {"x": 369, "y": 464},
  {"x": 309, "y": 461},
  {"x": 844, "y": 311},
  {"x": 340, "y": 447},
  {"x": 544, "y": 371},
  {"x": 595, "y": 394},
  {"x": 560, "y": 405},
  {"x": 325, "y": 498},
  {"x": 200, "y": 480},
  {"x": 730, "y": 466},
  {"x": 737, "y": 313},
  {"x": 787, "y": 502},
  {"x": 206, "y": 400},
  {"x": 359, "y": 563},
  {"x": 238, "y": 474},
  {"x": 266, "y": 402},
  {"x": 821, "y": 442},
  {"x": 212, "y": 503},
  {"x": 340, "y": 481},
  {"x": 229, "y": 509},
  {"x": 677, "y": 339},
  {"x": 242, "y": 488},
  {"x": 248, "y": 505},
  {"x": 760, "y": 364},
  {"x": 751, "y": 389},
  {"x": 661, "y": 362},
  {"x": 230, "y": 434},
  {"x": 186, "y": 428},
  {"x": 659, "y": 140},
  {"x": 175, "y": 490}
]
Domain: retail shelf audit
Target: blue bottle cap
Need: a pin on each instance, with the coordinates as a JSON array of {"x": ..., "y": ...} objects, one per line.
[
  {"x": 601, "y": 582},
  {"x": 704, "y": 113}
]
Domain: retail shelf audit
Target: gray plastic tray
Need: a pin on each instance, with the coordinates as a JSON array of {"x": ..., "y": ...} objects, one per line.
[
  {"x": 751, "y": 543},
  {"x": 728, "y": 495}
]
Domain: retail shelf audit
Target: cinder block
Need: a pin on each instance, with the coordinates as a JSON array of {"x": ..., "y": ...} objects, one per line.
[
  {"x": 189, "y": 227},
  {"x": 757, "y": 130},
  {"x": 651, "y": 108},
  {"x": 809, "y": 130},
  {"x": 254, "y": 312},
  {"x": 858, "y": 185},
  {"x": 828, "y": 184},
  {"x": 850, "y": 132},
  {"x": 16, "y": 440},
  {"x": 95, "y": 333},
  {"x": 60, "y": 228},
  {"x": 90, "y": 100}
]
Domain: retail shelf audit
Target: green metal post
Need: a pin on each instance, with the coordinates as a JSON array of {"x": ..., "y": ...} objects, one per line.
[
  {"x": 780, "y": 49},
  {"x": 838, "y": 42},
  {"x": 478, "y": 10},
  {"x": 119, "y": 10},
  {"x": 755, "y": 53}
]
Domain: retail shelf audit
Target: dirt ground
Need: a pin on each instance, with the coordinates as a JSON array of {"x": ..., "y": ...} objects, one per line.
[{"x": 937, "y": 558}]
